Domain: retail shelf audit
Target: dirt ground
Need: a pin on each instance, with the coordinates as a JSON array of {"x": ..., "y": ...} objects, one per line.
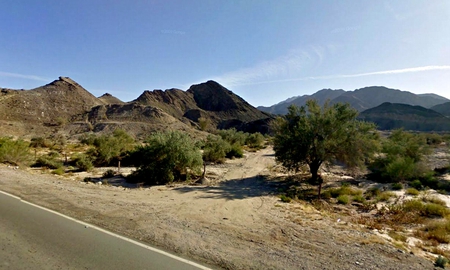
[{"x": 237, "y": 221}]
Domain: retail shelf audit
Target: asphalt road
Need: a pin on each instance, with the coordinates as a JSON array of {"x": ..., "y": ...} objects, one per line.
[{"x": 35, "y": 238}]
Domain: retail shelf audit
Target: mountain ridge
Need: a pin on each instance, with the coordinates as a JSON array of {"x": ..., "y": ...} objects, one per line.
[{"x": 362, "y": 98}]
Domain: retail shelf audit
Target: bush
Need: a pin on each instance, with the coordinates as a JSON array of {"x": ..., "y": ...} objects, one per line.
[
  {"x": 359, "y": 198},
  {"x": 235, "y": 151},
  {"x": 59, "y": 171},
  {"x": 397, "y": 186},
  {"x": 416, "y": 184},
  {"x": 49, "y": 161},
  {"x": 402, "y": 157},
  {"x": 166, "y": 157},
  {"x": 40, "y": 142},
  {"x": 109, "y": 173},
  {"x": 110, "y": 147},
  {"x": 232, "y": 136},
  {"x": 83, "y": 162},
  {"x": 438, "y": 230},
  {"x": 255, "y": 140},
  {"x": 215, "y": 149},
  {"x": 440, "y": 262},
  {"x": 343, "y": 199},
  {"x": 384, "y": 196},
  {"x": 412, "y": 191},
  {"x": 285, "y": 198},
  {"x": 16, "y": 152}
]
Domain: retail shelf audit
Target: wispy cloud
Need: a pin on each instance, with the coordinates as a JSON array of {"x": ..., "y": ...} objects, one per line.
[
  {"x": 342, "y": 76},
  {"x": 284, "y": 66},
  {"x": 23, "y": 76}
]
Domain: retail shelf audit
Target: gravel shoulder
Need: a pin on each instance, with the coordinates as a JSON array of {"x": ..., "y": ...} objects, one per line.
[{"x": 235, "y": 222}]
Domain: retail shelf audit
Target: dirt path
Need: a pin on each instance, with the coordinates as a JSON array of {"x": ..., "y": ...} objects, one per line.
[{"x": 237, "y": 222}]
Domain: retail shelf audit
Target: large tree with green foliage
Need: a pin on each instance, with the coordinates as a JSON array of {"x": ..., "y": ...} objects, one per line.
[
  {"x": 312, "y": 135},
  {"x": 166, "y": 157}
]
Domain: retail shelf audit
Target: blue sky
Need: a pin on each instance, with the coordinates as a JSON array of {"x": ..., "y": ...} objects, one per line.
[{"x": 264, "y": 51}]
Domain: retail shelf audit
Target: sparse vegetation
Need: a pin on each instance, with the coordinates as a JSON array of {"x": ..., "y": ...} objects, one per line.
[{"x": 16, "y": 152}]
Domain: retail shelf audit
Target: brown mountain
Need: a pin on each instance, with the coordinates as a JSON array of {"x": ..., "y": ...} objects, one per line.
[
  {"x": 107, "y": 98},
  {"x": 61, "y": 98},
  {"x": 208, "y": 100},
  {"x": 65, "y": 106}
]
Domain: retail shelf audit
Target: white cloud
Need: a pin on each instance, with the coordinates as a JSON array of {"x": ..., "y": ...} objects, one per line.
[
  {"x": 283, "y": 66},
  {"x": 23, "y": 76},
  {"x": 342, "y": 76}
]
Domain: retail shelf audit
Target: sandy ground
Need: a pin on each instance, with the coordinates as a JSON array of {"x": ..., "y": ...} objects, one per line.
[{"x": 235, "y": 222}]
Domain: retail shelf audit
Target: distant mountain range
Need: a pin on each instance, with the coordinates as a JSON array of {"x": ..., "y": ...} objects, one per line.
[{"x": 360, "y": 99}]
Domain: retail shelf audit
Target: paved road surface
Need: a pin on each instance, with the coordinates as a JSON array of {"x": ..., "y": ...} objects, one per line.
[{"x": 34, "y": 238}]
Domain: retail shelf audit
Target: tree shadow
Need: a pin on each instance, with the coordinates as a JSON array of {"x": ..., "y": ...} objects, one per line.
[{"x": 239, "y": 188}]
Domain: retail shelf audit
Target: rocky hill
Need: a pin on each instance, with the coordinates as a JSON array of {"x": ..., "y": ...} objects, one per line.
[
  {"x": 65, "y": 106},
  {"x": 390, "y": 116},
  {"x": 107, "y": 98},
  {"x": 442, "y": 109},
  {"x": 362, "y": 99}
]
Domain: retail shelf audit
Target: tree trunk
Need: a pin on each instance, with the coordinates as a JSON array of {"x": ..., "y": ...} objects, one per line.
[
  {"x": 315, "y": 176},
  {"x": 204, "y": 169},
  {"x": 118, "y": 166}
]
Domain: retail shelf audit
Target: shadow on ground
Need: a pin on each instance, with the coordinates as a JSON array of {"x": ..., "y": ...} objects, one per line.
[{"x": 238, "y": 188}]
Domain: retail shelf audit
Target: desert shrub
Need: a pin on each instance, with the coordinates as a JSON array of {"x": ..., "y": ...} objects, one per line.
[
  {"x": 83, "y": 162},
  {"x": 438, "y": 230},
  {"x": 50, "y": 161},
  {"x": 235, "y": 151},
  {"x": 87, "y": 139},
  {"x": 384, "y": 196},
  {"x": 232, "y": 136},
  {"x": 345, "y": 189},
  {"x": 359, "y": 198},
  {"x": 429, "y": 180},
  {"x": 255, "y": 140},
  {"x": 401, "y": 158},
  {"x": 343, "y": 199},
  {"x": 215, "y": 149},
  {"x": 432, "y": 199},
  {"x": 109, "y": 173},
  {"x": 41, "y": 142},
  {"x": 412, "y": 191},
  {"x": 396, "y": 236},
  {"x": 16, "y": 152},
  {"x": 425, "y": 209},
  {"x": 59, "y": 171},
  {"x": 111, "y": 147},
  {"x": 166, "y": 157},
  {"x": 285, "y": 198},
  {"x": 397, "y": 186},
  {"x": 441, "y": 262},
  {"x": 204, "y": 123},
  {"x": 433, "y": 138},
  {"x": 372, "y": 192},
  {"x": 416, "y": 184}
]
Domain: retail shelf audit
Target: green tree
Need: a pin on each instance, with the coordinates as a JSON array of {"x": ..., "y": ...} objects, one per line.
[
  {"x": 115, "y": 146},
  {"x": 311, "y": 135},
  {"x": 166, "y": 157}
]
